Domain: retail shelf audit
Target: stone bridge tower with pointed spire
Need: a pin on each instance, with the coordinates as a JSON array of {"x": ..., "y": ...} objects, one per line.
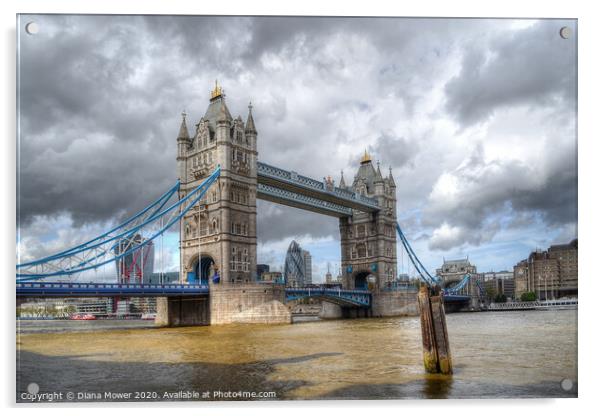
[
  {"x": 368, "y": 240},
  {"x": 218, "y": 238},
  {"x": 219, "y": 235}
]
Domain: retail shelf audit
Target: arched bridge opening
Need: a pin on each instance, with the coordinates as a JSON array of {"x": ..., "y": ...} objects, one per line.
[
  {"x": 202, "y": 270},
  {"x": 362, "y": 280}
]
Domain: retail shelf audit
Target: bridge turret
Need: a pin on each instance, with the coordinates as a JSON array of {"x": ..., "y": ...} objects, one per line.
[
  {"x": 390, "y": 178},
  {"x": 342, "y": 183},
  {"x": 379, "y": 184},
  {"x": 251, "y": 139},
  {"x": 221, "y": 234},
  {"x": 223, "y": 122},
  {"x": 368, "y": 242},
  {"x": 250, "y": 129},
  {"x": 183, "y": 143}
]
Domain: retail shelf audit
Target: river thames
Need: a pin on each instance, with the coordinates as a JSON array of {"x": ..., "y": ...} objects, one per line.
[{"x": 516, "y": 354}]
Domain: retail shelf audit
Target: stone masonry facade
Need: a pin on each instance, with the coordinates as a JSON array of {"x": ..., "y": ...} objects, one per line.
[
  {"x": 368, "y": 241},
  {"x": 222, "y": 230}
]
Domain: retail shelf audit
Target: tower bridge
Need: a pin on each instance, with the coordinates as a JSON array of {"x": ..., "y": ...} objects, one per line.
[{"x": 219, "y": 182}]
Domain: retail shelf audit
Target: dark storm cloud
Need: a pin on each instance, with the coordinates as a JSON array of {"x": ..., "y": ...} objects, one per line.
[
  {"x": 555, "y": 198},
  {"x": 486, "y": 192},
  {"x": 101, "y": 97},
  {"x": 532, "y": 66},
  {"x": 394, "y": 151},
  {"x": 93, "y": 140}
]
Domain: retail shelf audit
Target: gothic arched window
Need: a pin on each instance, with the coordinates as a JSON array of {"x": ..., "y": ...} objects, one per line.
[
  {"x": 233, "y": 259},
  {"x": 361, "y": 230},
  {"x": 361, "y": 250}
]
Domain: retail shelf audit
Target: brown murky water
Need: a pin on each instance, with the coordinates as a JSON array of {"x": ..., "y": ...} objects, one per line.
[{"x": 495, "y": 355}]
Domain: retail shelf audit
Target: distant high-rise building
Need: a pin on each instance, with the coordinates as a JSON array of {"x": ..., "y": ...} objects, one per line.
[
  {"x": 307, "y": 259},
  {"x": 328, "y": 275},
  {"x": 294, "y": 265},
  {"x": 522, "y": 283},
  {"x": 136, "y": 266},
  {"x": 297, "y": 266},
  {"x": 261, "y": 269},
  {"x": 498, "y": 283},
  {"x": 273, "y": 277}
]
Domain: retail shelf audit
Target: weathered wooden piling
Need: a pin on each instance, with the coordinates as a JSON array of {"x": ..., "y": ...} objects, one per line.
[{"x": 435, "y": 343}]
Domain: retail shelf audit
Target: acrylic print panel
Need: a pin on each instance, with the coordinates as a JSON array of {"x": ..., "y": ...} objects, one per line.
[{"x": 287, "y": 208}]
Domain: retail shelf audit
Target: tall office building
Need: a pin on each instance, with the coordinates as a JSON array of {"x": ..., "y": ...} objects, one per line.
[
  {"x": 549, "y": 274},
  {"x": 307, "y": 260},
  {"x": 297, "y": 266},
  {"x": 136, "y": 266}
]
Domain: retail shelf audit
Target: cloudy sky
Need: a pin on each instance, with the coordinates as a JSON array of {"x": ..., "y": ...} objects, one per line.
[{"x": 477, "y": 119}]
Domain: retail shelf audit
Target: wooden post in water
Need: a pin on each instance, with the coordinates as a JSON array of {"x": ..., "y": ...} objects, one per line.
[
  {"x": 429, "y": 348},
  {"x": 435, "y": 344}
]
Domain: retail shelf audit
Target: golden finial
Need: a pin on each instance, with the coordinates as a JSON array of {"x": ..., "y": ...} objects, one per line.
[
  {"x": 366, "y": 158},
  {"x": 217, "y": 91}
]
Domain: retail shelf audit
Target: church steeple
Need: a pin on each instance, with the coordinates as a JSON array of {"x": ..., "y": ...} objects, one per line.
[
  {"x": 250, "y": 126},
  {"x": 183, "y": 134}
]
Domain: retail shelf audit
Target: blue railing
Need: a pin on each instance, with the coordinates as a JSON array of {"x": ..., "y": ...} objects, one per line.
[
  {"x": 293, "y": 178},
  {"x": 396, "y": 287},
  {"x": 352, "y": 297},
  {"x": 295, "y": 198},
  {"x": 64, "y": 289}
]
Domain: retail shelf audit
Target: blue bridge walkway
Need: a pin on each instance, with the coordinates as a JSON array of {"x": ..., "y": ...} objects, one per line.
[
  {"x": 47, "y": 289},
  {"x": 362, "y": 298},
  {"x": 342, "y": 297}
]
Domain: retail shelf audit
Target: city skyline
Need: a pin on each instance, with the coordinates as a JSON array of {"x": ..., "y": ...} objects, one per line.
[{"x": 491, "y": 175}]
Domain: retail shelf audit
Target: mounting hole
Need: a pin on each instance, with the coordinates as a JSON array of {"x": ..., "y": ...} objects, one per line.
[
  {"x": 566, "y": 384},
  {"x": 565, "y": 32},
  {"x": 32, "y": 28}
]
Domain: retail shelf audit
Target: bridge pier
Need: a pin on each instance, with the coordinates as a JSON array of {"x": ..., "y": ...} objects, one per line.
[
  {"x": 248, "y": 303},
  {"x": 183, "y": 311},
  {"x": 354, "y": 313},
  {"x": 395, "y": 303},
  {"x": 226, "y": 304},
  {"x": 435, "y": 343},
  {"x": 330, "y": 311}
]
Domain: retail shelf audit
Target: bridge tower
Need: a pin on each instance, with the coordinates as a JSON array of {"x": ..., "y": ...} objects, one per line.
[
  {"x": 368, "y": 242},
  {"x": 219, "y": 235}
]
